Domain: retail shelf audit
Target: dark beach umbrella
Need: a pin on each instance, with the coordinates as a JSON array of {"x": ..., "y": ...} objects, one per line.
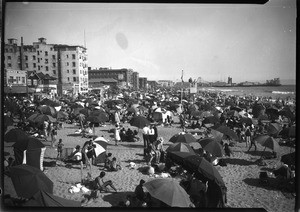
[
  {"x": 139, "y": 122},
  {"x": 236, "y": 108},
  {"x": 274, "y": 129},
  {"x": 180, "y": 147},
  {"x": 272, "y": 111},
  {"x": 62, "y": 115},
  {"x": 157, "y": 116},
  {"x": 178, "y": 157},
  {"x": 40, "y": 118},
  {"x": 49, "y": 103},
  {"x": 8, "y": 121},
  {"x": 289, "y": 158},
  {"x": 28, "y": 143},
  {"x": 85, "y": 111},
  {"x": 102, "y": 117},
  {"x": 168, "y": 191},
  {"x": 268, "y": 142},
  {"x": 15, "y": 135},
  {"x": 287, "y": 112},
  {"x": 46, "y": 199},
  {"x": 212, "y": 146},
  {"x": 211, "y": 120},
  {"x": 247, "y": 121},
  {"x": 48, "y": 110},
  {"x": 184, "y": 138},
  {"x": 206, "y": 114},
  {"x": 28, "y": 180},
  {"x": 226, "y": 131},
  {"x": 203, "y": 169},
  {"x": 257, "y": 110},
  {"x": 292, "y": 131},
  {"x": 132, "y": 110}
]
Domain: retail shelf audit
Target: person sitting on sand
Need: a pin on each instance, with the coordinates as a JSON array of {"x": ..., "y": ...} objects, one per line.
[
  {"x": 114, "y": 165},
  {"x": 139, "y": 191},
  {"x": 107, "y": 161},
  {"x": 101, "y": 185},
  {"x": 76, "y": 156}
]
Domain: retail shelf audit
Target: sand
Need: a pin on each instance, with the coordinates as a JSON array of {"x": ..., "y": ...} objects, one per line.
[{"x": 240, "y": 175}]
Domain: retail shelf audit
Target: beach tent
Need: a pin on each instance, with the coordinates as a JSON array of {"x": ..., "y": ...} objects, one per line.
[
  {"x": 46, "y": 199},
  {"x": 29, "y": 151}
]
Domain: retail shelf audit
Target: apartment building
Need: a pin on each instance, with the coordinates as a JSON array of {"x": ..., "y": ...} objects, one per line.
[{"x": 65, "y": 63}]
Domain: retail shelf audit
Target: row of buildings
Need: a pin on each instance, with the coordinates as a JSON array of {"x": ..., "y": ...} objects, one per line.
[{"x": 60, "y": 69}]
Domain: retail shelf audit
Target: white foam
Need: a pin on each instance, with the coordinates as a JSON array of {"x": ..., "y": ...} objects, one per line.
[{"x": 283, "y": 92}]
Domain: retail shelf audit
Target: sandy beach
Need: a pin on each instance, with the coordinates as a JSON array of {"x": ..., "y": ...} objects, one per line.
[{"x": 240, "y": 175}]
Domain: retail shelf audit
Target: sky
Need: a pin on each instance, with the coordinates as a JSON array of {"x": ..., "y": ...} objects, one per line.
[{"x": 212, "y": 41}]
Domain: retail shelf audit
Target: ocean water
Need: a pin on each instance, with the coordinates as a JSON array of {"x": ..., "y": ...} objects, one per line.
[{"x": 283, "y": 91}]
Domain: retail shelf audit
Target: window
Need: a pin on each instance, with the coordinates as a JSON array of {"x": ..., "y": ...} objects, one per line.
[
  {"x": 53, "y": 64},
  {"x": 46, "y": 53},
  {"x": 37, "y": 46},
  {"x": 67, "y": 63},
  {"x": 9, "y": 65},
  {"x": 11, "y": 79},
  {"x": 80, "y": 71},
  {"x": 26, "y": 57},
  {"x": 54, "y": 72},
  {"x": 38, "y": 60},
  {"x": 74, "y": 71},
  {"x": 74, "y": 64},
  {"x": 46, "y": 61},
  {"x": 68, "y": 71},
  {"x": 67, "y": 56},
  {"x": 73, "y": 56},
  {"x": 33, "y": 57},
  {"x": 9, "y": 57},
  {"x": 47, "y": 69},
  {"x": 34, "y": 65},
  {"x": 68, "y": 79},
  {"x": 26, "y": 64},
  {"x": 23, "y": 79},
  {"x": 53, "y": 57},
  {"x": 38, "y": 53},
  {"x": 74, "y": 79},
  {"x": 39, "y": 68},
  {"x": 51, "y": 49}
]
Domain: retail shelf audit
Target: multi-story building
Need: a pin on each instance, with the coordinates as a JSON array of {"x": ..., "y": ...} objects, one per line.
[
  {"x": 68, "y": 64},
  {"x": 135, "y": 80},
  {"x": 123, "y": 76},
  {"x": 165, "y": 83},
  {"x": 15, "y": 77},
  {"x": 143, "y": 83}
]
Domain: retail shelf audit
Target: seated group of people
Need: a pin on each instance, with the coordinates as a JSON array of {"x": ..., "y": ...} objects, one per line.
[
  {"x": 111, "y": 164},
  {"x": 128, "y": 135}
]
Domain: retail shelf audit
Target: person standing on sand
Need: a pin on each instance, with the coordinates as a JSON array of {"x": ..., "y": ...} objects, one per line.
[
  {"x": 117, "y": 134},
  {"x": 146, "y": 136},
  {"x": 248, "y": 136},
  {"x": 59, "y": 149}
]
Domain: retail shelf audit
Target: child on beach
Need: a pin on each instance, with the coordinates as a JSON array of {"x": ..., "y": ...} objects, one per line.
[
  {"x": 107, "y": 161},
  {"x": 114, "y": 165},
  {"x": 59, "y": 149}
]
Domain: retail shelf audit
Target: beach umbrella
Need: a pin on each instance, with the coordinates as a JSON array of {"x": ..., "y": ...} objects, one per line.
[
  {"x": 274, "y": 129},
  {"x": 40, "y": 118},
  {"x": 193, "y": 107},
  {"x": 46, "y": 199},
  {"x": 132, "y": 110},
  {"x": 8, "y": 121},
  {"x": 183, "y": 137},
  {"x": 28, "y": 180},
  {"x": 102, "y": 117},
  {"x": 49, "y": 102},
  {"x": 217, "y": 135},
  {"x": 45, "y": 109},
  {"x": 28, "y": 143},
  {"x": 268, "y": 142},
  {"x": 139, "y": 122},
  {"x": 272, "y": 111},
  {"x": 206, "y": 114},
  {"x": 236, "y": 108},
  {"x": 257, "y": 109},
  {"x": 15, "y": 134},
  {"x": 157, "y": 116},
  {"x": 212, "y": 146},
  {"x": 168, "y": 191},
  {"x": 203, "y": 169},
  {"x": 289, "y": 159},
  {"x": 62, "y": 115},
  {"x": 180, "y": 147},
  {"x": 226, "y": 131},
  {"x": 84, "y": 111},
  {"x": 101, "y": 141},
  {"x": 287, "y": 112},
  {"x": 211, "y": 120},
  {"x": 247, "y": 121},
  {"x": 196, "y": 113},
  {"x": 195, "y": 145}
]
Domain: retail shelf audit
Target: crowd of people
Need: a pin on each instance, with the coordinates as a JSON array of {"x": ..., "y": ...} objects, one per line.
[{"x": 230, "y": 111}]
